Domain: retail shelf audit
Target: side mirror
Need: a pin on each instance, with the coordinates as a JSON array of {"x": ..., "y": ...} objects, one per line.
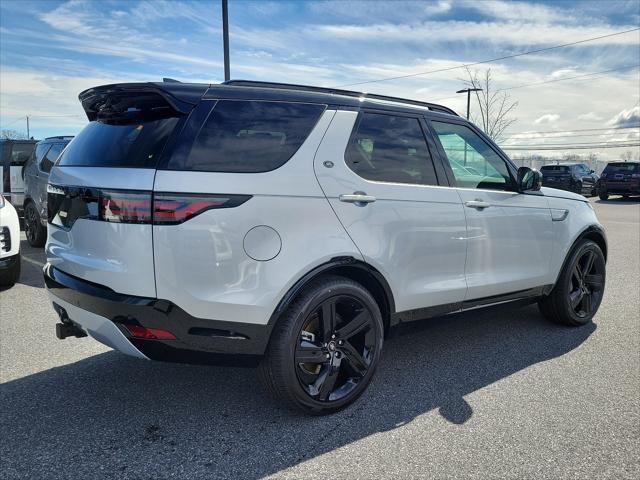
[
  {"x": 592, "y": 171},
  {"x": 529, "y": 180}
]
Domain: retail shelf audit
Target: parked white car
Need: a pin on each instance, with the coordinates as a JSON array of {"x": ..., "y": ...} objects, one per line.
[
  {"x": 295, "y": 226},
  {"x": 9, "y": 244}
]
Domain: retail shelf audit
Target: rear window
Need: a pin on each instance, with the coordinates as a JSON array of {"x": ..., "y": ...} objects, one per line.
[
  {"x": 105, "y": 145},
  {"x": 555, "y": 169},
  {"x": 249, "y": 136},
  {"x": 622, "y": 168},
  {"x": 20, "y": 153}
]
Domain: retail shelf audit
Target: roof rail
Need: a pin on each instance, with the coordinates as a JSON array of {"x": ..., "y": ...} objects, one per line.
[{"x": 336, "y": 91}]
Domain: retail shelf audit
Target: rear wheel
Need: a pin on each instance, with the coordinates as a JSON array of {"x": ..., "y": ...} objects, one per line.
[
  {"x": 325, "y": 348},
  {"x": 577, "y": 295},
  {"x": 9, "y": 276},
  {"x": 603, "y": 195},
  {"x": 33, "y": 229}
]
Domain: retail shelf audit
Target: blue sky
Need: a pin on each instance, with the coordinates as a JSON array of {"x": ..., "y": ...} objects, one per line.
[{"x": 50, "y": 51}]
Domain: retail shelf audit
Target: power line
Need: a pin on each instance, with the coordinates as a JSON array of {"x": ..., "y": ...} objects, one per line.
[
  {"x": 546, "y": 49},
  {"x": 571, "y": 147},
  {"x": 568, "y": 78},
  {"x": 553, "y": 81},
  {"x": 577, "y": 130},
  {"x": 12, "y": 122},
  {"x": 591, "y": 135}
]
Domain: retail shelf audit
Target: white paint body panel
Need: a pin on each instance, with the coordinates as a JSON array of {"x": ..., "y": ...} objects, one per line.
[
  {"x": 510, "y": 243},
  {"x": 202, "y": 265},
  {"x": 413, "y": 234},
  {"x": 9, "y": 218},
  {"x": 116, "y": 255}
]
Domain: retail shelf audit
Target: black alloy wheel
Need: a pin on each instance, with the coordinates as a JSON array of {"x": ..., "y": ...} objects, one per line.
[
  {"x": 335, "y": 348},
  {"x": 578, "y": 292},
  {"x": 586, "y": 285},
  {"x": 325, "y": 347},
  {"x": 33, "y": 229}
]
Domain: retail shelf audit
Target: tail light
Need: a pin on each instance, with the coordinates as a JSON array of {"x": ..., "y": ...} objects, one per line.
[
  {"x": 65, "y": 205},
  {"x": 125, "y": 207},
  {"x": 171, "y": 209}
]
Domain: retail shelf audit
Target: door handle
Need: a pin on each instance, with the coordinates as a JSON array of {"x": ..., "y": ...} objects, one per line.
[
  {"x": 359, "y": 198},
  {"x": 477, "y": 204}
]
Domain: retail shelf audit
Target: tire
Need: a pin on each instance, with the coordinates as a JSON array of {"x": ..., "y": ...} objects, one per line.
[
  {"x": 11, "y": 275},
  {"x": 578, "y": 292},
  {"x": 36, "y": 234},
  {"x": 578, "y": 188},
  {"x": 351, "y": 336},
  {"x": 603, "y": 195}
]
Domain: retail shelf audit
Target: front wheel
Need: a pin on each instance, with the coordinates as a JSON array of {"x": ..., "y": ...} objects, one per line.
[
  {"x": 577, "y": 295},
  {"x": 325, "y": 348}
]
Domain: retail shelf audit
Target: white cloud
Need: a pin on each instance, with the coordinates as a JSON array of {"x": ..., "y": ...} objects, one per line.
[
  {"x": 547, "y": 118},
  {"x": 521, "y": 10},
  {"x": 590, "y": 116},
  {"x": 626, "y": 118}
]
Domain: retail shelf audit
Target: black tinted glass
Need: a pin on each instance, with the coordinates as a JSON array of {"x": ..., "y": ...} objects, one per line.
[
  {"x": 20, "y": 153},
  {"x": 387, "y": 148},
  {"x": 555, "y": 169},
  {"x": 249, "y": 136},
  {"x": 51, "y": 157},
  {"x": 622, "y": 168},
  {"x": 104, "y": 145}
]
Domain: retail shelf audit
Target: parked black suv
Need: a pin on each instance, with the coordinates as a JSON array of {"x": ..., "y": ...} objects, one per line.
[
  {"x": 574, "y": 177},
  {"x": 620, "y": 178},
  {"x": 35, "y": 173}
]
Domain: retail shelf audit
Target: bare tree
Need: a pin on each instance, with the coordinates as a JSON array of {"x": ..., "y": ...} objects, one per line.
[
  {"x": 12, "y": 135},
  {"x": 496, "y": 106}
]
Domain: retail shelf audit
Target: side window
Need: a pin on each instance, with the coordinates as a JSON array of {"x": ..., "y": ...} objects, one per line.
[
  {"x": 51, "y": 157},
  {"x": 249, "y": 136},
  {"x": 387, "y": 148},
  {"x": 474, "y": 163}
]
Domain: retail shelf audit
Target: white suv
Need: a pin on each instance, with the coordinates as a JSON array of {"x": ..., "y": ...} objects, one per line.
[{"x": 292, "y": 227}]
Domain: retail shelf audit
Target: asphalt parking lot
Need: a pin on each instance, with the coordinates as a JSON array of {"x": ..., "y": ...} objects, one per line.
[{"x": 480, "y": 395}]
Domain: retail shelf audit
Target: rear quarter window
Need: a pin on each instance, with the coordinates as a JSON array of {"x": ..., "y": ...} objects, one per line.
[{"x": 249, "y": 136}]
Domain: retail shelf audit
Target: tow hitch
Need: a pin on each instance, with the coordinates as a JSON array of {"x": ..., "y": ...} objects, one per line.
[{"x": 66, "y": 328}]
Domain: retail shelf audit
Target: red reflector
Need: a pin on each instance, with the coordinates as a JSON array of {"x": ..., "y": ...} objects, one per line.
[{"x": 149, "y": 333}]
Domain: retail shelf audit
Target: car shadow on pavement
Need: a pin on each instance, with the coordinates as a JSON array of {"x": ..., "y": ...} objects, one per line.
[{"x": 114, "y": 416}]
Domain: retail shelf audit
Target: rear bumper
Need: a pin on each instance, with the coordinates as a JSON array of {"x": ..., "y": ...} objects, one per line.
[
  {"x": 7, "y": 263},
  {"x": 103, "y": 313},
  {"x": 619, "y": 188}
]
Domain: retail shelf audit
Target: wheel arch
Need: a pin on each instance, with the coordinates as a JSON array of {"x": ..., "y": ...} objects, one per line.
[
  {"x": 351, "y": 268},
  {"x": 594, "y": 233}
]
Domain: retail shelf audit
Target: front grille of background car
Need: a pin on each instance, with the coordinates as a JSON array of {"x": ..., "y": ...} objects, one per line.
[{"x": 5, "y": 239}]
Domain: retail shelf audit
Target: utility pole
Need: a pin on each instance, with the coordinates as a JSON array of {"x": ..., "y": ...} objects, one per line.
[
  {"x": 468, "y": 92},
  {"x": 28, "y": 136},
  {"x": 225, "y": 35}
]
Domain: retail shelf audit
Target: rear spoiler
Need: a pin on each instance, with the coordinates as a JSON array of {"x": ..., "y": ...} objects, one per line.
[{"x": 179, "y": 97}]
